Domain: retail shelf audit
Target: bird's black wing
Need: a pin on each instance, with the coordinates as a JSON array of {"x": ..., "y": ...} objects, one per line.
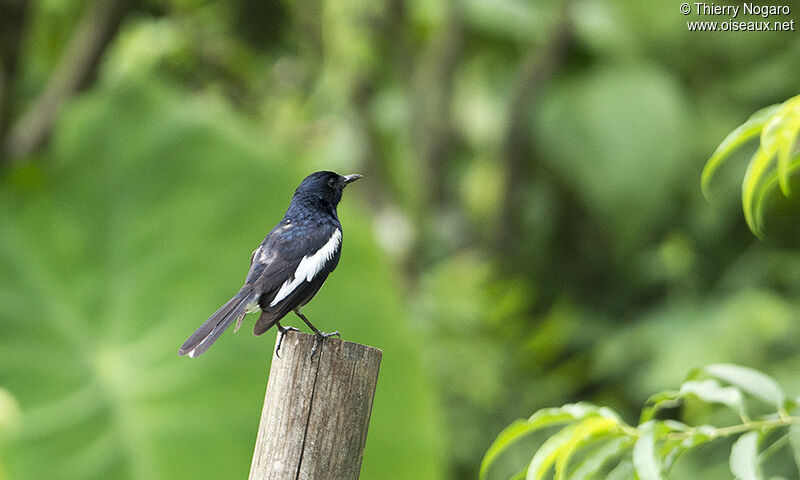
[{"x": 290, "y": 266}]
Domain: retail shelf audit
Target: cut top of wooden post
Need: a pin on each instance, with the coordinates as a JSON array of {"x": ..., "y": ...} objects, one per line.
[{"x": 316, "y": 410}]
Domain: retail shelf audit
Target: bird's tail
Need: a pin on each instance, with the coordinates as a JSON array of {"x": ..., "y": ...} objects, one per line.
[{"x": 211, "y": 329}]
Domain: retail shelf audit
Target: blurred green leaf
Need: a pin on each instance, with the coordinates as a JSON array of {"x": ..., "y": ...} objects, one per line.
[
  {"x": 735, "y": 140},
  {"x": 712, "y": 392},
  {"x": 671, "y": 449},
  {"x": 753, "y": 382},
  {"x": 542, "y": 419},
  {"x": 546, "y": 455},
  {"x": 504, "y": 440},
  {"x": 785, "y": 128},
  {"x": 609, "y": 135},
  {"x": 774, "y": 211},
  {"x": 507, "y": 18},
  {"x": 10, "y": 415},
  {"x": 645, "y": 459},
  {"x": 587, "y": 430},
  {"x": 744, "y": 457},
  {"x": 520, "y": 475},
  {"x": 656, "y": 402},
  {"x": 753, "y": 182},
  {"x": 779, "y": 128},
  {"x": 794, "y": 441},
  {"x": 596, "y": 459},
  {"x": 623, "y": 471}
]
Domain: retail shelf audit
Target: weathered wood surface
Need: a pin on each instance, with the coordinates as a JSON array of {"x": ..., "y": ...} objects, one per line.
[{"x": 316, "y": 411}]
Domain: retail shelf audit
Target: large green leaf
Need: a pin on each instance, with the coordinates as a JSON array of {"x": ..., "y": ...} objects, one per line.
[{"x": 138, "y": 225}]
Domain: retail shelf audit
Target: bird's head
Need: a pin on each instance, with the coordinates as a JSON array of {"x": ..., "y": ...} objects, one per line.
[{"x": 325, "y": 186}]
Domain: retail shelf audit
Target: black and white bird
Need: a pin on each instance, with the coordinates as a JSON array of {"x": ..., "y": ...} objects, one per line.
[{"x": 289, "y": 266}]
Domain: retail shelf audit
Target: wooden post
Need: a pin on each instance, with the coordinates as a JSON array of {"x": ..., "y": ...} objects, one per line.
[{"x": 316, "y": 411}]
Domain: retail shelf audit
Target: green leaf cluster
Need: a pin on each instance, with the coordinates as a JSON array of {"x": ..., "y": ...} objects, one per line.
[
  {"x": 772, "y": 165},
  {"x": 591, "y": 442}
]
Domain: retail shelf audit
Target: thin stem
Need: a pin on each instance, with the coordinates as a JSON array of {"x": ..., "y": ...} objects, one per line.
[
  {"x": 742, "y": 428},
  {"x": 776, "y": 445}
]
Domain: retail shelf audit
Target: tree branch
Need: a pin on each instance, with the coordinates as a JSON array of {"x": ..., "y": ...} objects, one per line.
[
  {"x": 535, "y": 73},
  {"x": 433, "y": 94},
  {"x": 13, "y": 20},
  {"x": 75, "y": 70}
]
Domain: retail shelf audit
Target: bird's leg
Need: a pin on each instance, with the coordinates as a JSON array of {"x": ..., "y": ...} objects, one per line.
[
  {"x": 282, "y": 333},
  {"x": 320, "y": 336}
]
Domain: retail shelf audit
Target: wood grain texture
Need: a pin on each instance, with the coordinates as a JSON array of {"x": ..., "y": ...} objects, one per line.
[{"x": 316, "y": 411}]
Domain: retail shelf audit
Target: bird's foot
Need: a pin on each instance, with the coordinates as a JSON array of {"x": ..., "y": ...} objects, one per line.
[
  {"x": 319, "y": 337},
  {"x": 282, "y": 333}
]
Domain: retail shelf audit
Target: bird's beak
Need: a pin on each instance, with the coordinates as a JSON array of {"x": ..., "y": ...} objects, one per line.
[{"x": 351, "y": 178}]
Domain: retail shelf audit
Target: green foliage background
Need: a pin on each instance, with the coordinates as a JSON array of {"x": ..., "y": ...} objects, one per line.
[
  {"x": 530, "y": 230},
  {"x": 112, "y": 245}
]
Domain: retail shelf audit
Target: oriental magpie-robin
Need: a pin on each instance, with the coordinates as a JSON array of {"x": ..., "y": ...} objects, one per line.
[{"x": 289, "y": 266}]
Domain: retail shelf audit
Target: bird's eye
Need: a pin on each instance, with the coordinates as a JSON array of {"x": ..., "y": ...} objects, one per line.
[{"x": 332, "y": 182}]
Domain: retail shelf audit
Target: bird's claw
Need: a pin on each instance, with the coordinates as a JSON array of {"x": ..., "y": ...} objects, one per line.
[
  {"x": 282, "y": 333},
  {"x": 319, "y": 337}
]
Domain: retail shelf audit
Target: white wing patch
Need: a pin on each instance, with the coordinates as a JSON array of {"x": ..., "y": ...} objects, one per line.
[
  {"x": 309, "y": 266},
  {"x": 266, "y": 256}
]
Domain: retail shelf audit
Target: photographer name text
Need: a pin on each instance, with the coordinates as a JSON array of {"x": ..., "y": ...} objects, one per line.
[{"x": 733, "y": 11}]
